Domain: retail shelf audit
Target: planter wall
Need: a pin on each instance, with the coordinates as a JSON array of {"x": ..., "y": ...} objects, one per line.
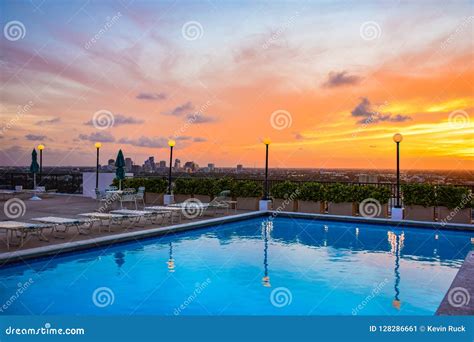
[
  {"x": 283, "y": 205},
  {"x": 203, "y": 198},
  {"x": 311, "y": 207},
  {"x": 447, "y": 215},
  {"x": 153, "y": 198},
  {"x": 247, "y": 203},
  {"x": 344, "y": 208},
  {"x": 178, "y": 198},
  {"x": 369, "y": 213},
  {"x": 419, "y": 213}
]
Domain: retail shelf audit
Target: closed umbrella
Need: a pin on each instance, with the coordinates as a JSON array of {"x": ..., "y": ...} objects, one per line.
[
  {"x": 120, "y": 165},
  {"x": 34, "y": 169}
]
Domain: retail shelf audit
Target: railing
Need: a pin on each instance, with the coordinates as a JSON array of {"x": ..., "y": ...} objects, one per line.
[{"x": 61, "y": 182}]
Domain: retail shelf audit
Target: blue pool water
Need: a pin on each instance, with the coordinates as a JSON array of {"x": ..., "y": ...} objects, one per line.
[{"x": 288, "y": 267}]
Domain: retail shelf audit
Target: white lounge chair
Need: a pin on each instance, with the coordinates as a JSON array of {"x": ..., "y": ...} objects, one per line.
[
  {"x": 173, "y": 211},
  {"x": 83, "y": 226},
  {"x": 21, "y": 230},
  {"x": 137, "y": 214},
  {"x": 107, "y": 219}
]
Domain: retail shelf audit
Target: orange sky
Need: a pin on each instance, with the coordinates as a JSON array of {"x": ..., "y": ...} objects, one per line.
[{"x": 340, "y": 95}]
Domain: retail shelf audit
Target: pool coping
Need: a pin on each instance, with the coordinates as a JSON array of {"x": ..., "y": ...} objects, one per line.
[
  {"x": 22, "y": 255},
  {"x": 461, "y": 292}
]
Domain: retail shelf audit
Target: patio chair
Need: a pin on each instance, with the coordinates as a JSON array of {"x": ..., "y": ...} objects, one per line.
[
  {"x": 83, "y": 226},
  {"x": 128, "y": 197},
  {"x": 107, "y": 219},
  {"x": 136, "y": 215},
  {"x": 21, "y": 230},
  {"x": 112, "y": 188},
  {"x": 140, "y": 195}
]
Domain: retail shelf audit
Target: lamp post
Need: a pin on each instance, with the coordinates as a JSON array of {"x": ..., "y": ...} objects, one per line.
[
  {"x": 265, "y": 203},
  {"x": 267, "y": 142},
  {"x": 97, "y": 145},
  {"x": 41, "y": 148},
  {"x": 168, "y": 198},
  {"x": 397, "y": 138}
]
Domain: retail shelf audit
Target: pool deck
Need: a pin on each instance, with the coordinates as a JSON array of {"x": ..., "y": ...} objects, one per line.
[{"x": 459, "y": 299}]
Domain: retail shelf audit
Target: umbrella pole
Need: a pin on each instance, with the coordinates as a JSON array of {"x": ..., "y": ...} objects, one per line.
[{"x": 35, "y": 196}]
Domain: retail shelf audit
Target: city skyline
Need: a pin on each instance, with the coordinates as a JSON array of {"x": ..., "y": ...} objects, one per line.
[{"x": 329, "y": 97}]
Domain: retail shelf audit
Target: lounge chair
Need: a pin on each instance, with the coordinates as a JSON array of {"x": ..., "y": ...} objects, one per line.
[
  {"x": 136, "y": 214},
  {"x": 191, "y": 209},
  {"x": 107, "y": 219},
  {"x": 21, "y": 230},
  {"x": 83, "y": 226},
  {"x": 173, "y": 211}
]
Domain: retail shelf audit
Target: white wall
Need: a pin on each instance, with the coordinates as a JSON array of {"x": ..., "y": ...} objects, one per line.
[{"x": 88, "y": 182}]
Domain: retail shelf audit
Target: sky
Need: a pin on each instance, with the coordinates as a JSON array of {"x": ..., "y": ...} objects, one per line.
[{"x": 329, "y": 82}]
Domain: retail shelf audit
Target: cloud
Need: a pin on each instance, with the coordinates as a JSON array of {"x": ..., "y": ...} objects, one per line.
[
  {"x": 199, "y": 139},
  {"x": 367, "y": 114},
  {"x": 48, "y": 122},
  {"x": 97, "y": 137},
  {"x": 183, "y": 138},
  {"x": 152, "y": 96},
  {"x": 155, "y": 142},
  {"x": 338, "y": 79},
  {"x": 35, "y": 137},
  {"x": 199, "y": 118},
  {"x": 121, "y": 120},
  {"x": 180, "y": 110}
]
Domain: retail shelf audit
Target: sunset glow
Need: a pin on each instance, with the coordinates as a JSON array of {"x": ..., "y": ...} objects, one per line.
[{"x": 219, "y": 77}]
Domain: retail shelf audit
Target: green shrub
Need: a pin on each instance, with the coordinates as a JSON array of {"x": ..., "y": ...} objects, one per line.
[
  {"x": 380, "y": 193},
  {"x": 158, "y": 185},
  {"x": 246, "y": 188},
  {"x": 339, "y": 193},
  {"x": 312, "y": 191},
  {"x": 185, "y": 186},
  {"x": 419, "y": 194},
  {"x": 285, "y": 190},
  {"x": 453, "y": 197}
]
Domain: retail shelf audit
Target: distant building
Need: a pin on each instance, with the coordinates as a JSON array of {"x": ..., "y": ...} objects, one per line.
[
  {"x": 149, "y": 165},
  {"x": 177, "y": 164},
  {"x": 239, "y": 168},
  {"x": 162, "y": 164},
  {"x": 211, "y": 166},
  {"x": 136, "y": 169},
  {"x": 128, "y": 164},
  {"x": 111, "y": 162},
  {"x": 190, "y": 166}
]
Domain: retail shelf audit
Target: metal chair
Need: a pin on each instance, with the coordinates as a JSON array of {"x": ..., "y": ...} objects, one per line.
[
  {"x": 140, "y": 195},
  {"x": 128, "y": 196}
]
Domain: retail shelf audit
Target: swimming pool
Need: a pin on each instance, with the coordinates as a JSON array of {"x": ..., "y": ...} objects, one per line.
[{"x": 287, "y": 266}]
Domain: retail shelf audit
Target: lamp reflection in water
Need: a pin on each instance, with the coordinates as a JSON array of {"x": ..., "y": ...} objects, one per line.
[
  {"x": 267, "y": 227},
  {"x": 170, "y": 261},
  {"x": 396, "y": 245}
]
